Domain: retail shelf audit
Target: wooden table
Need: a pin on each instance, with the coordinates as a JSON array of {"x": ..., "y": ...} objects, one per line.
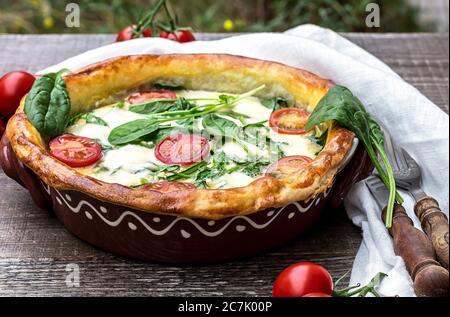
[{"x": 35, "y": 248}]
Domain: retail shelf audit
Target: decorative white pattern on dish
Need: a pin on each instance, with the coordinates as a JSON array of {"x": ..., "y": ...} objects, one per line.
[{"x": 272, "y": 214}]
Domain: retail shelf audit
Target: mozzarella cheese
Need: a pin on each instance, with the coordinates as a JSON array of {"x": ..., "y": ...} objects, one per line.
[{"x": 132, "y": 164}]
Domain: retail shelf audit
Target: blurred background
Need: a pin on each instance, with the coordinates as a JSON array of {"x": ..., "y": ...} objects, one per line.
[{"x": 48, "y": 16}]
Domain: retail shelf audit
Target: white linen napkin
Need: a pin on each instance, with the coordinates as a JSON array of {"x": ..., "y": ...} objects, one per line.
[{"x": 414, "y": 122}]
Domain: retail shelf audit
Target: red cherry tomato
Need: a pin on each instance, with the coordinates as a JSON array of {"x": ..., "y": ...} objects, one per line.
[
  {"x": 183, "y": 149},
  {"x": 303, "y": 278},
  {"x": 167, "y": 187},
  {"x": 289, "y": 121},
  {"x": 13, "y": 86},
  {"x": 75, "y": 151},
  {"x": 141, "y": 97},
  {"x": 182, "y": 36},
  {"x": 127, "y": 33},
  {"x": 185, "y": 36},
  {"x": 293, "y": 162},
  {"x": 2, "y": 127},
  {"x": 317, "y": 295}
]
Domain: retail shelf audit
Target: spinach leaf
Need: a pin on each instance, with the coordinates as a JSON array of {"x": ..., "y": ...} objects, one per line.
[
  {"x": 47, "y": 105},
  {"x": 216, "y": 125},
  {"x": 275, "y": 103},
  {"x": 162, "y": 105},
  {"x": 168, "y": 86},
  {"x": 132, "y": 131},
  {"x": 341, "y": 105}
]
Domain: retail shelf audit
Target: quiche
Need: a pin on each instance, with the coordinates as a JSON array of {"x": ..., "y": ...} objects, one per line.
[{"x": 202, "y": 135}]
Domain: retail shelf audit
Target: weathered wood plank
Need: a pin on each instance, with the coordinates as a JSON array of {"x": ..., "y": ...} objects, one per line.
[{"x": 35, "y": 248}]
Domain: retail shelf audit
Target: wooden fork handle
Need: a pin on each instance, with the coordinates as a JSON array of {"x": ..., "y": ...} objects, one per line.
[
  {"x": 430, "y": 279},
  {"x": 435, "y": 224}
]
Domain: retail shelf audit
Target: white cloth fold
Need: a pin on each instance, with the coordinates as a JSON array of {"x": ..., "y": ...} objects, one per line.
[{"x": 414, "y": 122}]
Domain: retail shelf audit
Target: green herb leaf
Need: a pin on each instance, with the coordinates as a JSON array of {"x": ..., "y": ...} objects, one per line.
[
  {"x": 93, "y": 119},
  {"x": 132, "y": 131},
  {"x": 47, "y": 105}
]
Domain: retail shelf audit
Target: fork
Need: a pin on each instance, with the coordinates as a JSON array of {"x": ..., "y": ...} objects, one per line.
[{"x": 408, "y": 177}]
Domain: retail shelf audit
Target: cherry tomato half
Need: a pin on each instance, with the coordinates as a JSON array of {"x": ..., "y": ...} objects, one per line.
[
  {"x": 301, "y": 279},
  {"x": 13, "y": 86},
  {"x": 141, "y": 97},
  {"x": 181, "y": 36},
  {"x": 289, "y": 120},
  {"x": 127, "y": 33},
  {"x": 293, "y": 162},
  {"x": 183, "y": 149},
  {"x": 2, "y": 127},
  {"x": 317, "y": 294},
  {"x": 167, "y": 187},
  {"x": 75, "y": 151}
]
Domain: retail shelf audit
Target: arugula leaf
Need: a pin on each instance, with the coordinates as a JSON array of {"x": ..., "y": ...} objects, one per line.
[
  {"x": 131, "y": 131},
  {"x": 341, "y": 105},
  {"x": 189, "y": 172},
  {"x": 275, "y": 103},
  {"x": 47, "y": 105}
]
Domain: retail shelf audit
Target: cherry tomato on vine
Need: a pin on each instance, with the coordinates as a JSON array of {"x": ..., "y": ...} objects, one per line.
[
  {"x": 167, "y": 187},
  {"x": 182, "y": 149},
  {"x": 127, "y": 33},
  {"x": 180, "y": 35},
  {"x": 289, "y": 120},
  {"x": 141, "y": 97},
  {"x": 301, "y": 279},
  {"x": 75, "y": 151},
  {"x": 13, "y": 86}
]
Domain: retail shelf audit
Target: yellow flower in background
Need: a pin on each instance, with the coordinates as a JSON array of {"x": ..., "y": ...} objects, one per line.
[
  {"x": 36, "y": 3},
  {"x": 48, "y": 22},
  {"x": 228, "y": 25}
]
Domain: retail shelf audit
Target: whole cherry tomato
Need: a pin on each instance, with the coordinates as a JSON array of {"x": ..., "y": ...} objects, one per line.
[
  {"x": 301, "y": 279},
  {"x": 181, "y": 36},
  {"x": 2, "y": 127},
  {"x": 317, "y": 295},
  {"x": 127, "y": 33},
  {"x": 13, "y": 86}
]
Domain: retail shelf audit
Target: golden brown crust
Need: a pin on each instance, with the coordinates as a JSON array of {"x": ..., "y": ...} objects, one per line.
[{"x": 218, "y": 72}]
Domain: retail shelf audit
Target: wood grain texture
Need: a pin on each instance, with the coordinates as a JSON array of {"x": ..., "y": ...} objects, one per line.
[{"x": 35, "y": 248}]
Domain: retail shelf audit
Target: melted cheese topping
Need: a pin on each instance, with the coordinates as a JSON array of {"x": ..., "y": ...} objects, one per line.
[{"x": 134, "y": 165}]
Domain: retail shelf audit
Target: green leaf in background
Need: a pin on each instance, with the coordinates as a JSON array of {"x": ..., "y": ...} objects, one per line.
[{"x": 47, "y": 105}]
